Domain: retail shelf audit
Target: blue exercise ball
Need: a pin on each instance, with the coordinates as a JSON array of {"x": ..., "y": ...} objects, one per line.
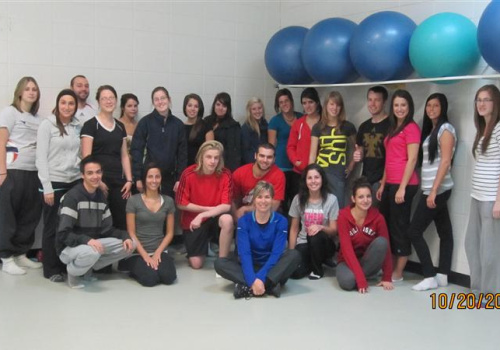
[
  {"x": 325, "y": 51},
  {"x": 488, "y": 35},
  {"x": 444, "y": 45},
  {"x": 282, "y": 56},
  {"x": 379, "y": 46}
]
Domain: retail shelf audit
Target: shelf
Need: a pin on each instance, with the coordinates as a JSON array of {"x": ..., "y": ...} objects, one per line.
[{"x": 403, "y": 81}]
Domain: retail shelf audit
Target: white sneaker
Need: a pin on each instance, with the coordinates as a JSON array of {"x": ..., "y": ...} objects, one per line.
[
  {"x": 23, "y": 261},
  {"x": 75, "y": 282},
  {"x": 442, "y": 280},
  {"x": 9, "y": 266},
  {"x": 426, "y": 284}
]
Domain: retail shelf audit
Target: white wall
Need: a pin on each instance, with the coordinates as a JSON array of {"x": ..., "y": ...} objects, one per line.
[
  {"x": 202, "y": 47},
  {"x": 460, "y": 95},
  {"x": 207, "y": 47}
]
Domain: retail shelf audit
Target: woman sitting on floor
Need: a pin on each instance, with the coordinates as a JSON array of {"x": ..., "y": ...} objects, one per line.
[
  {"x": 364, "y": 242},
  {"x": 265, "y": 263}
]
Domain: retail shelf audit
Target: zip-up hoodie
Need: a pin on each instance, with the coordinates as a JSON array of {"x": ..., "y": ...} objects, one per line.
[
  {"x": 299, "y": 144},
  {"x": 354, "y": 240},
  {"x": 84, "y": 216},
  {"x": 57, "y": 157}
]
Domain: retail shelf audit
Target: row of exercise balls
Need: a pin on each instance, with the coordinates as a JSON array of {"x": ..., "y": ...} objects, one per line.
[{"x": 335, "y": 50}]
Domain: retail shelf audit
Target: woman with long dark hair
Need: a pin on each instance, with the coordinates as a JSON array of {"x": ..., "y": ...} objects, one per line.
[
  {"x": 400, "y": 182},
  {"x": 57, "y": 161},
  {"x": 150, "y": 224},
  {"x": 436, "y": 148},
  {"x": 197, "y": 131},
  {"x": 315, "y": 211},
  {"x": 226, "y": 130},
  {"x": 364, "y": 242},
  {"x": 129, "y": 106},
  {"x": 482, "y": 241}
]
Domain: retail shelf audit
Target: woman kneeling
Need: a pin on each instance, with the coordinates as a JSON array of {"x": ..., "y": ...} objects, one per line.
[
  {"x": 364, "y": 242},
  {"x": 265, "y": 263}
]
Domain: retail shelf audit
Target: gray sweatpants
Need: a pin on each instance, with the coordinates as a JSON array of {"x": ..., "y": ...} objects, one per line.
[
  {"x": 82, "y": 258},
  {"x": 482, "y": 246}
]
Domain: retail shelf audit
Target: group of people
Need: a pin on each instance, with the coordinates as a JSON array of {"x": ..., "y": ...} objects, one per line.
[{"x": 106, "y": 188}]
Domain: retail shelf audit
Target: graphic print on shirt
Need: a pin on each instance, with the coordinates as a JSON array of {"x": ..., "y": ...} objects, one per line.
[
  {"x": 313, "y": 217},
  {"x": 373, "y": 142},
  {"x": 332, "y": 150}
]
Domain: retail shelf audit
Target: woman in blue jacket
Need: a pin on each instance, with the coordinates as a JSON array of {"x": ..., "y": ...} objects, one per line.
[{"x": 265, "y": 263}]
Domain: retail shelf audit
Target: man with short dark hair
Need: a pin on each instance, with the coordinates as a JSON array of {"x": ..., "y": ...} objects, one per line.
[
  {"x": 246, "y": 177},
  {"x": 86, "y": 238},
  {"x": 370, "y": 138},
  {"x": 85, "y": 111}
]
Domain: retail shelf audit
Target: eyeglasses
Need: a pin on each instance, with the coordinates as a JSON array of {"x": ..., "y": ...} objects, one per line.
[
  {"x": 160, "y": 99},
  {"x": 108, "y": 99},
  {"x": 485, "y": 100}
]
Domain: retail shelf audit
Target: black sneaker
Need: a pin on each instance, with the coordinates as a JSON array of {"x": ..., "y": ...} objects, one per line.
[
  {"x": 274, "y": 291},
  {"x": 242, "y": 291}
]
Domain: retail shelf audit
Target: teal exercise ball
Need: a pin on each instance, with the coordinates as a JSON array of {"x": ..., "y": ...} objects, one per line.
[{"x": 444, "y": 45}]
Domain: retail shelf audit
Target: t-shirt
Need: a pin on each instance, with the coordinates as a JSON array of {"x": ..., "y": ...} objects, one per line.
[
  {"x": 206, "y": 190},
  {"x": 279, "y": 124},
  {"x": 86, "y": 113},
  {"x": 429, "y": 171},
  {"x": 106, "y": 145},
  {"x": 149, "y": 226},
  {"x": 245, "y": 181},
  {"x": 332, "y": 147},
  {"x": 194, "y": 145},
  {"x": 22, "y": 128},
  {"x": 314, "y": 214},
  {"x": 371, "y": 137},
  {"x": 487, "y": 170},
  {"x": 397, "y": 154}
]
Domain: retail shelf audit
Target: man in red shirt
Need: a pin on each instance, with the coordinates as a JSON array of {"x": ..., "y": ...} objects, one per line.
[
  {"x": 246, "y": 177},
  {"x": 204, "y": 196}
]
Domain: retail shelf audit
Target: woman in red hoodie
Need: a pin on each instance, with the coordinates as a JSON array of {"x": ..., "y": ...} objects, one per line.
[{"x": 364, "y": 242}]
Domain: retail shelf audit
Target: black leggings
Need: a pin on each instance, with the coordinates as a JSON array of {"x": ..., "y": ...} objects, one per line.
[{"x": 147, "y": 276}]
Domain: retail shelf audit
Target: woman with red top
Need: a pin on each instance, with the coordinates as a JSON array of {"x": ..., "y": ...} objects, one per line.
[
  {"x": 364, "y": 242},
  {"x": 299, "y": 141},
  {"x": 400, "y": 182}
]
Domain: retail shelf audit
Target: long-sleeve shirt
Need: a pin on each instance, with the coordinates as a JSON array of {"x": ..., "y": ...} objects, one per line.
[
  {"x": 260, "y": 245},
  {"x": 164, "y": 140},
  {"x": 354, "y": 240},
  {"x": 299, "y": 144}
]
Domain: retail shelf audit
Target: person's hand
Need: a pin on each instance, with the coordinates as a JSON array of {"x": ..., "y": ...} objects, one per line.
[
  {"x": 126, "y": 190},
  {"x": 496, "y": 210},
  {"x": 150, "y": 262},
  {"x": 386, "y": 284},
  {"x": 363, "y": 290},
  {"x": 156, "y": 259},
  {"x": 104, "y": 188},
  {"x": 97, "y": 245},
  {"x": 400, "y": 196},
  {"x": 379, "y": 192},
  {"x": 298, "y": 163},
  {"x": 49, "y": 199},
  {"x": 196, "y": 222},
  {"x": 176, "y": 186},
  {"x": 314, "y": 229},
  {"x": 128, "y": 245},
  {"x": 258, "y": 287},
  {"x": 3, "y": 178},
  {"x": 357, "y": 156},
  {"x": 431, "y": 200},
  {"x": 138, "y": 185}
]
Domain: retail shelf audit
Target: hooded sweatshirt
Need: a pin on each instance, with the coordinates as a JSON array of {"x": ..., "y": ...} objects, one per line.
[
  {"x": 354, "y": 240},
  {"x": 57, "y": 157}
]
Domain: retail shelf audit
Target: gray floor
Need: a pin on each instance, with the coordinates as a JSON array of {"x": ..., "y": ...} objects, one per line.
[{"x": 199, "y": 312}]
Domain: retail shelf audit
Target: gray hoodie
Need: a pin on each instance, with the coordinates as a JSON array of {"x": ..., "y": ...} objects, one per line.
[{"x": 57, "y": 157}]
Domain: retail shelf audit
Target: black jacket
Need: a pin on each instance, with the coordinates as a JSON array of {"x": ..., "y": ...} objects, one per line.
[{"x": 228, "y": 133}]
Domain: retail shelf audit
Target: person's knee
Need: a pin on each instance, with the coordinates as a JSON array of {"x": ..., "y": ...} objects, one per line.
[
  {"x": 168, "y": 277},
  {"x": 226, "y": 223},
  {"x": 347, "y": 284},
  {"x": 148, "y": 280},
  {"x": 196, "y": 262}
]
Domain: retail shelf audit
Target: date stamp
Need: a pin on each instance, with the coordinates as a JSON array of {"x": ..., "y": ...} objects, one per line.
[{"x": 465, "y": 301}]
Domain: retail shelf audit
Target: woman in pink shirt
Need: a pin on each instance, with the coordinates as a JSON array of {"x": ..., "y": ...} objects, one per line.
[{"x": 400, "y": 182}]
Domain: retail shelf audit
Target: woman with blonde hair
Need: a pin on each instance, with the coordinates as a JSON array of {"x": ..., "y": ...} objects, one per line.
[
  {"x": 20, "y": 202},
  {"x": 331, "y": 140},
  {"x": 254, "y": 130}
]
